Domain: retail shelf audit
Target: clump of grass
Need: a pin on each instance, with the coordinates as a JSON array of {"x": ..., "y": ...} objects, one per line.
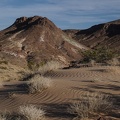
[
  {"x": 3, "y": 62},
  {"x": 4, "y": 68},
  {"x": 16, "y": 116},
  {"x": 49, "y": 66},
  {"x": 91, "y": 105},
  {"x": 114, "y": 62},
  {"x": 38, "y": 83},
  {"x": 2, "y": 117},
  {"x": 1, "y": 84},
  {"x": 97, "y": 79},
  {"x": 92, "y": 63},
  {"x": 28, "y": 75},
  {"x": 31, "y": 112},
  {"x": 11, "y": 94},
  {"x": 113, "y": 69}
]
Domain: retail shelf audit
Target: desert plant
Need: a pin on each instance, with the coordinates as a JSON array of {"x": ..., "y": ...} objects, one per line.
[
  {"x": 38, "y": 83},
  {"x": 6, "y": 115},
  {"x": 2, "y": 117},
  {"x": 91, "y": 105},
  {"x": 92, "y": 63},
  {"x": 3, "y": 62},
  {"x": 114, "y": 62},
  {"x": 32, "y": 63},
  {"x": 1, "y": 84},
  {"x": 11, "y": 94},
  {"x": 113, "y": 69},
  {"x": 51, "y": 65},
  {"x": 100, "y": 55},
  {"x": 31, "y": 112}
]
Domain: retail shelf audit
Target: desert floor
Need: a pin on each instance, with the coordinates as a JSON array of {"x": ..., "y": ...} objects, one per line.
[{"x": 67, "y": 86}]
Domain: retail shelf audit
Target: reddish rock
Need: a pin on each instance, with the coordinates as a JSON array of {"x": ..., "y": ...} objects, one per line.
[
  {"x": 106, "y": 34},
  {"x": 39, "y": 40}
]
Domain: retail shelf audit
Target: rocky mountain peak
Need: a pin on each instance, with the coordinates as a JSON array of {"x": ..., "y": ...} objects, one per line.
[
  {"x": 37, "y": 40},
  {"x": 23, "y": 22},
  {"x": 20, "y": 20}
]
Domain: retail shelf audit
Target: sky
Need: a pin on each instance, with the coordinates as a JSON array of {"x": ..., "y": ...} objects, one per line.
[{"x": 66, "y": 14}]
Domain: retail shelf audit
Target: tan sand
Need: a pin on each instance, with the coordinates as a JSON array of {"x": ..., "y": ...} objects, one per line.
[{"x": 67, "y": 87}]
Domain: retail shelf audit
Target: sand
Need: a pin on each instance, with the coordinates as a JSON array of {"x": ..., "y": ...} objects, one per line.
[{"x": 67, "y": 86}]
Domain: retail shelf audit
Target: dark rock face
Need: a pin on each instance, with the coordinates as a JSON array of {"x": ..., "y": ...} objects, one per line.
[
  {"x": 20, "y": 20},
  {"x": 39, "y": 39},
  {"x": 24, "y": 22},
  {"x": 107, "y": 34},
  {"x": 113, "y": 29}
]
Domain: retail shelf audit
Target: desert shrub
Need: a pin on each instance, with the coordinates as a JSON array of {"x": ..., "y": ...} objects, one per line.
[
  {"x": 113, "y": 69},
  {"x": 16, "y": 116},
  {"x": 31, "y": 63},
  {"x": 3, "y": 62},
  {"x": 6, "y": 115},
  {"x": 51, "y": 65},
  {"x": 2, "y": 117},
  {"x": 27, "y": 75},
  {"x": 38, "y": 83},
  {"x": 92, "y": 63},
  {"x": 1, "y": 84},
  {"x": 101, "y": 54},
  {"x": 42, "y": 63},
  {"x": 31, "y": 112},
  {"x": 114, "y": 62},
  {"x": 91, "y": 105},
  {"x": 4, "y": 68}
]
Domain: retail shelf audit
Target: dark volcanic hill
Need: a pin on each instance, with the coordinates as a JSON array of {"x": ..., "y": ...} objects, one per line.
[
  {"x": 107, "y": 34},
  {"x": 37, "y": 40}
]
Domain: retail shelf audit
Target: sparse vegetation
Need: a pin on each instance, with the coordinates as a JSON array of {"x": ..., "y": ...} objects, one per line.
[
  {"x": 4, "y": 68},
  {"x": 31, "y": 63},
  {"x": 3, "y": 62},
  {"x": 92, "y": 63},
  {"x": 51, "y": 65},
  {"x": 1, "y": 84},
  {"x": 31, "y": 112},
  {"x": 26, "y": 112},
  {"x": 2, "y": 117},
  {"x": 42, "y": 63},
  {"x": 11, "y": 94},
  {"x": 91, "y": 105},
  {"x": 5, "y": 115},
  {"x": 42, "y": 66},
  {"x": 100, "y": 55},
  {"x": 113, "y": 69},
  {"x": 38, "y": 83},
  {"x": 114, "y": 62}
]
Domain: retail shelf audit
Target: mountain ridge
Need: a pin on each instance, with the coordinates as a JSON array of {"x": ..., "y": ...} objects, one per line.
[
  {"x": 37, "y": 39},
  {"x": 105, "y": 34}
]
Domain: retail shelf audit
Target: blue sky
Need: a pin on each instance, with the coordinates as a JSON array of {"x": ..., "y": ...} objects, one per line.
[{"x": 66, "y": 14}]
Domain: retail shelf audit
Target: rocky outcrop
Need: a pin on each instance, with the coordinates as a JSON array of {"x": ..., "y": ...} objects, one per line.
[
  {"x": 107, "y": 34},
  {"x": 36, "y": 40}
]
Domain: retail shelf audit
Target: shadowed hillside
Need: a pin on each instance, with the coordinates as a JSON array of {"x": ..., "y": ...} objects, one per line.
[{"x": 107, "y": 34}]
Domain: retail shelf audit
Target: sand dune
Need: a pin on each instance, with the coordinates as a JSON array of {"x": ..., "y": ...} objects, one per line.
[{"x": 67, "y": 87}]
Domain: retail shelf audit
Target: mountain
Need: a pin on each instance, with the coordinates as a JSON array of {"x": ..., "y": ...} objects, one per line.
[
  {"x": 36, "y": 40},
  {"x": 106, "y": 34}
]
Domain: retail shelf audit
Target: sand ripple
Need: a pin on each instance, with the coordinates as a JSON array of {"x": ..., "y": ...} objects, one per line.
[{"x": 68, "y": 86}]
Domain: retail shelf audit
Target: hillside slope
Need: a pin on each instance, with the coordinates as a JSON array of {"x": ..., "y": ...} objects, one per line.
[
  {"x": 107, "y": 34},
  {"x": 37, "y": 40}
]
